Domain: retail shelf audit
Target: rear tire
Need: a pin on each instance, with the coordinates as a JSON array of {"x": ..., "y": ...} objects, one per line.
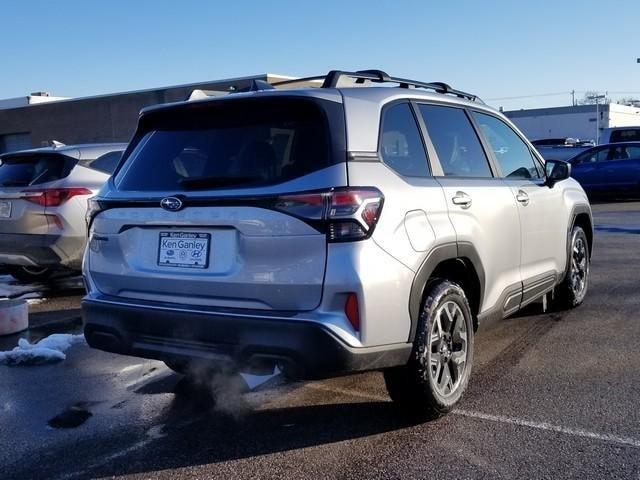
[
  {"x": 437, "y": 374},
  {"x": 571, "y": 292},
  {"x": 29, "y": 274}
]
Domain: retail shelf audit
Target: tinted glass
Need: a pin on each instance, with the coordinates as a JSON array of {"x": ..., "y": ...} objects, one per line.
[
  {"x": 512, "y": 154},
  {"x": 633, "y": 152},
  {"x": 227, "y": 144},
  {"x": 592, "y": 156},
  {"x": 630, "y": 135},
  {"x": 106, "y": 163},
  {"x": 23, "y": 171},
  {"x": 623, "y": 152},
  {"x": 400, "y": 145},
  {"x": 455, "y": 141}
]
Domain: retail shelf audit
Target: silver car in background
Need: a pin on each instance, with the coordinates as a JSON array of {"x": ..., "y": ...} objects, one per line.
[{"x": 43, "y": 201}]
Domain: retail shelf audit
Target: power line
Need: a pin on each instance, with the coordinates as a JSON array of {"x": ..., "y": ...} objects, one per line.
[
  {"x": 555, "y": 94},
  {"x": 531, "y": 96}
]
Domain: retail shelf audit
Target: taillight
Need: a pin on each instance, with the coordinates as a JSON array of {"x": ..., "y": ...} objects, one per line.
[
  {"x": 352, "y": 312},
  {"x": 93, "y": 208},
  {"x": 53, "y": 197},
  {"x": 345, "y": 214}
]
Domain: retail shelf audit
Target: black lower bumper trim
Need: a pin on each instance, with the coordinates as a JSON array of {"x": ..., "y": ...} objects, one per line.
[
  {"x": 305, "y": 349},
  {"x": 37, "y": 248}
]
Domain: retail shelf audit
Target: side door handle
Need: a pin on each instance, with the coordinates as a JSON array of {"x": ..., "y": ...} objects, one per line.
[
  {"x": 462, "y": 199},
  {"x": 523, "y": 198}
]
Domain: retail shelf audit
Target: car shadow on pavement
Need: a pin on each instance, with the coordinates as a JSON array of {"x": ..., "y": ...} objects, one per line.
[{"x": 199, "y": 431}]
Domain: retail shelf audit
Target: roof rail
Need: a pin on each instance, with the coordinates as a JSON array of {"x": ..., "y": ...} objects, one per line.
[{"x": 331, "y": 80}]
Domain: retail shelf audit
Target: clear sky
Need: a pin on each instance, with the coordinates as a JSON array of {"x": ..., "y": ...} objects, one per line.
[{"x": 495, "y": 49}]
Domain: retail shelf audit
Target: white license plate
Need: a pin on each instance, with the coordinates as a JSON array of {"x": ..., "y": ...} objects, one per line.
[
  {"x": 184, "y": 249},
  {"x": 5, "y": 209}
]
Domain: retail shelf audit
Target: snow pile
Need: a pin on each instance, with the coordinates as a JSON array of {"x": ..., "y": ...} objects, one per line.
[
  {"x": 9, "y": 288},
  {"x": 49, "y": 349}
]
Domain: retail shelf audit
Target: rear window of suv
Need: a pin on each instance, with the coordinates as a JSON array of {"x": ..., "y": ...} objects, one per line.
[
  {"x": 628, "y": 135},
  {"x": 106, "y": 163},
  {"x": 27, "y": 170},
  {"x": 228, "y": 144}
]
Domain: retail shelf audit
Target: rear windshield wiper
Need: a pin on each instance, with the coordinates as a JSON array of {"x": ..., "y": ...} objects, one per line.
[{"x": 196, "y": 183}]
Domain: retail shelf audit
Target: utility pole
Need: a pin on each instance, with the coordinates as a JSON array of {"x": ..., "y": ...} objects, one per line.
[{"x": 597, "y": 98}]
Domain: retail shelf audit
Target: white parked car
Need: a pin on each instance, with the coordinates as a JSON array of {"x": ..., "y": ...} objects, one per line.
[{"x": 43, "y": 202}]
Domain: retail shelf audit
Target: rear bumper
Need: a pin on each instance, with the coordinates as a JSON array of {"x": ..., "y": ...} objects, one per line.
[
  {"x": 28, "y": 250},
  {"x": 245, "y": 339}
]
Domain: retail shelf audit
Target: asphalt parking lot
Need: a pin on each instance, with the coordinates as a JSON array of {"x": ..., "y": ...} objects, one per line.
[{"x": 553, "y": 395}]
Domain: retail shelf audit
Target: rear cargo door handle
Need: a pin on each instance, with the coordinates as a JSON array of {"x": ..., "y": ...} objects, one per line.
[
  {"x": 523, "y": 198},
  {"x": 462, "y": 200}
]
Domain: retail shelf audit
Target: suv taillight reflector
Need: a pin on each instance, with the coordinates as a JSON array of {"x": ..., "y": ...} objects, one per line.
[
  {"x": 53, "y": 197},
  {"x": 352, "y": 312},
  {"x": 346, "y": 214}
]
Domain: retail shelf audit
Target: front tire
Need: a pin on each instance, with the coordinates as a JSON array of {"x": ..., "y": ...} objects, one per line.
[
  {"x": 29, "y": 274},
  {"x": 438, "y": 372},
  {"x": 571, "y": 292}
]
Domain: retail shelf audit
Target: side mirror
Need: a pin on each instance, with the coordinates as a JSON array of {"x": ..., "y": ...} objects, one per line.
[{"x": 556, "y": 171}]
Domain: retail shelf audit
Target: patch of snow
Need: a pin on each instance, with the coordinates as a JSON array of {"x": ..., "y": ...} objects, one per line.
[
  {"x": 254, "y": 381},
  {"x": 11, "y": 288},
  {"x": 49, "y": 349},
  {"x": 130, "y": 368},
  {"x": 34, "y": 300}
]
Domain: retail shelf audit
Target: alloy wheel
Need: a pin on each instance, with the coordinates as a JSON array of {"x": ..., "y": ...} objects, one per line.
[
  {"x": 447, "y": 353},
  {"x": 579, "y": 266}
]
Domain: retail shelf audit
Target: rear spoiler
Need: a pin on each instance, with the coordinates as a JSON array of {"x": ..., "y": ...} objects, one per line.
[{"x": 256, "y": 85}]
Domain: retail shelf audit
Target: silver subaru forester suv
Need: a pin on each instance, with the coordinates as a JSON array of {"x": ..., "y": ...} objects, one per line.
[{"x": 369, "y": 224}]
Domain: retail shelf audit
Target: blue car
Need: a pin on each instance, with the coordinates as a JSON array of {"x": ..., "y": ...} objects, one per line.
[{"x": 609, "y": 170}]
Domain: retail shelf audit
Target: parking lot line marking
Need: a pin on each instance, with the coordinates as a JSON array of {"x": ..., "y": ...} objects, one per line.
[
  {"x": 153, "y": 433},
  {"x": 576, "y": 432}
]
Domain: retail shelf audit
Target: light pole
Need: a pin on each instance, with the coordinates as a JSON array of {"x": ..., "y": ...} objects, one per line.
[{"x": 597, "y": 98}]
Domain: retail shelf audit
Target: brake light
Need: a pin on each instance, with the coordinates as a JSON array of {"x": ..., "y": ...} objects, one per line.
[
  {"x": 93, "y": 209},
  {"x": 345, "y": 214},
  {"x": 53, "y": 197},
  {"x": 352, "y": 312}
]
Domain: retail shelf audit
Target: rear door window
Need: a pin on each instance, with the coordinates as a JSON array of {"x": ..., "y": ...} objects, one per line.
[
  {"x": 228, "y": 143},
  {"x": 455, "y": 140},
  {"x": 633, "y": 152},
  {"x": 401, "y": 147},
  {"x": 623, "y": 152},
  {"x": 27, "y": 170}
]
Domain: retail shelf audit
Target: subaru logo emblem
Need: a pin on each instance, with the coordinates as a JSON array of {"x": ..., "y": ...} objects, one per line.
[{"x": 172, "y": 204}]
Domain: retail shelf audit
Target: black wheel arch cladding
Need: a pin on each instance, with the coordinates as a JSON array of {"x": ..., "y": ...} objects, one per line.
[{"x": 436, "y": 261}]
